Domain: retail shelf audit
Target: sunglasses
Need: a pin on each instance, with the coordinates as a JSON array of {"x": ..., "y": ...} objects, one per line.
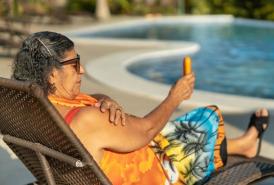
[{"x": 75, "y": 61}]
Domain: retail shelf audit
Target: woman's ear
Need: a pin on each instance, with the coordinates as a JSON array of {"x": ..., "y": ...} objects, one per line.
[{"x": 53, "y": 76}]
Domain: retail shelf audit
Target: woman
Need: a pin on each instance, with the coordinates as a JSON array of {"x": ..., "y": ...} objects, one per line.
[{"x": 144, "y": 150}]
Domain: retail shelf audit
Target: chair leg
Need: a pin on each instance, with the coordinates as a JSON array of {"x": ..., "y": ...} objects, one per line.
[{"x": 46, "y": 168}]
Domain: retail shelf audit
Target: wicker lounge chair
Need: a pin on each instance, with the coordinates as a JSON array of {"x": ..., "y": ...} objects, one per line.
[{"x": 38, "y": 135}]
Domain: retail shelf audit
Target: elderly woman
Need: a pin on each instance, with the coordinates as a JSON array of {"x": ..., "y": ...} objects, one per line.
[{"x": 141, "y": 150}]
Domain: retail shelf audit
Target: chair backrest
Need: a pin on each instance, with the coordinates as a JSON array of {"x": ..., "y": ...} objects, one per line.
[{"x": 26, "y": 114}]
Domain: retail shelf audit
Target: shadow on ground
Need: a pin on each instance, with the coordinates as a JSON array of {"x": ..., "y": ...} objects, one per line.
[{"x": 12, "y": 171}]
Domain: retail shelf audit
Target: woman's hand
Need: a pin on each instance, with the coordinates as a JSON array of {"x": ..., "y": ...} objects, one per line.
[
  {"x": 183, "y": 88},
  {"x": 116, "y": 112}
]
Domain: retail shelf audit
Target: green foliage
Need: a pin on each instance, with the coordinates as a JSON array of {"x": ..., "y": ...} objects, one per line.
[
  {"x": 199, "y": 7},
  {"x": 256, "y": 9},
  {"x": 3, "y": 8},
  {"x": 120, "y": 6},
  {"x": 19, "y": 8},
  {"x": 133, "y": 7},
  {"x": 81, "y": 6}
]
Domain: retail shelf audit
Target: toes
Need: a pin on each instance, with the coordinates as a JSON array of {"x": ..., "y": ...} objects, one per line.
[
  {"x": 261, "y": 112},
  {"x": 264, "y": 112},
  {"x": 258, "y": 113}
]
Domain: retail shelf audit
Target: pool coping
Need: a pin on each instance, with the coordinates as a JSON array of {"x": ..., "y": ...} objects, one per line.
[{"x": 125, "y": 81}]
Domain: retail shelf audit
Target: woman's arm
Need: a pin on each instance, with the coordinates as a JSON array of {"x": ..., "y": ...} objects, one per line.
[{"x": 94, "y": 126}]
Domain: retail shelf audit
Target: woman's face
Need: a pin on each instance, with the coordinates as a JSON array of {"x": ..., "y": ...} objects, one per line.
[{"x": 67, "y": 80}]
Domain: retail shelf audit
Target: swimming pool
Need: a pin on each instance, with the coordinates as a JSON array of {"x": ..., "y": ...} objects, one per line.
[{"x": 235, "y": 57}]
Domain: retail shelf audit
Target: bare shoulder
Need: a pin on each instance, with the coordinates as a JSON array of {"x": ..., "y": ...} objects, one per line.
[{"x": 91, "y": 116}]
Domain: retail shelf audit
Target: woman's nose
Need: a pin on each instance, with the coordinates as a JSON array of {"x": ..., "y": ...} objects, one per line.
[{"x": 82, "y": 70}]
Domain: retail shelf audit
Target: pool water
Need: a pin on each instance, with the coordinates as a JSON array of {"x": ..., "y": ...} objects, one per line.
[{"x": 234, "y": 58}]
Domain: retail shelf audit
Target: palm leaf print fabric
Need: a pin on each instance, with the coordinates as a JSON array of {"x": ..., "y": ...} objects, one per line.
[{"x": 189, "y": 146}]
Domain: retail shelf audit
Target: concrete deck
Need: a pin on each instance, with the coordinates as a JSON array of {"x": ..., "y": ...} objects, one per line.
[{"x": 138, "y": 104}]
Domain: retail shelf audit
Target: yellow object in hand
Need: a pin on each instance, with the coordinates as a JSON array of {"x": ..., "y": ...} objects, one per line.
[{"x": 187, "y": 65}]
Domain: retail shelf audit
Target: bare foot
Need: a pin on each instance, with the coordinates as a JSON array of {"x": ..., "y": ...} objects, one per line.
[{"x": 251, "y": 136}]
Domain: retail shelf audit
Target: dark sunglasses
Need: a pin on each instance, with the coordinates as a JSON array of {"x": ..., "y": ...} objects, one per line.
[{"x": 75, "y": 61}]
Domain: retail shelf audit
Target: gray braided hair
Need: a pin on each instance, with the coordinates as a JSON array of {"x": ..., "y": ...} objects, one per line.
[{"x": 38, "y": 55}]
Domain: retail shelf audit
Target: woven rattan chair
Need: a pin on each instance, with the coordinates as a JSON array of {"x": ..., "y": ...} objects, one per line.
[{"x": 38, "y": 135}]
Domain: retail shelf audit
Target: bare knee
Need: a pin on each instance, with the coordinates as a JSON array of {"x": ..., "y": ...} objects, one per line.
[{"x": 213, "y": 107}]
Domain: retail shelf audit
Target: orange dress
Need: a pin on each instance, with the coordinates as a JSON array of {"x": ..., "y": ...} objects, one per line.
[
  {"x": 171, "y": 157},
  {"x": 140, "y": 167}
]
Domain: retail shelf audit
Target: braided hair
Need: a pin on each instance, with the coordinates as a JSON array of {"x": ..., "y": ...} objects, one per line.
[{"x": 38, "y": 55}]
